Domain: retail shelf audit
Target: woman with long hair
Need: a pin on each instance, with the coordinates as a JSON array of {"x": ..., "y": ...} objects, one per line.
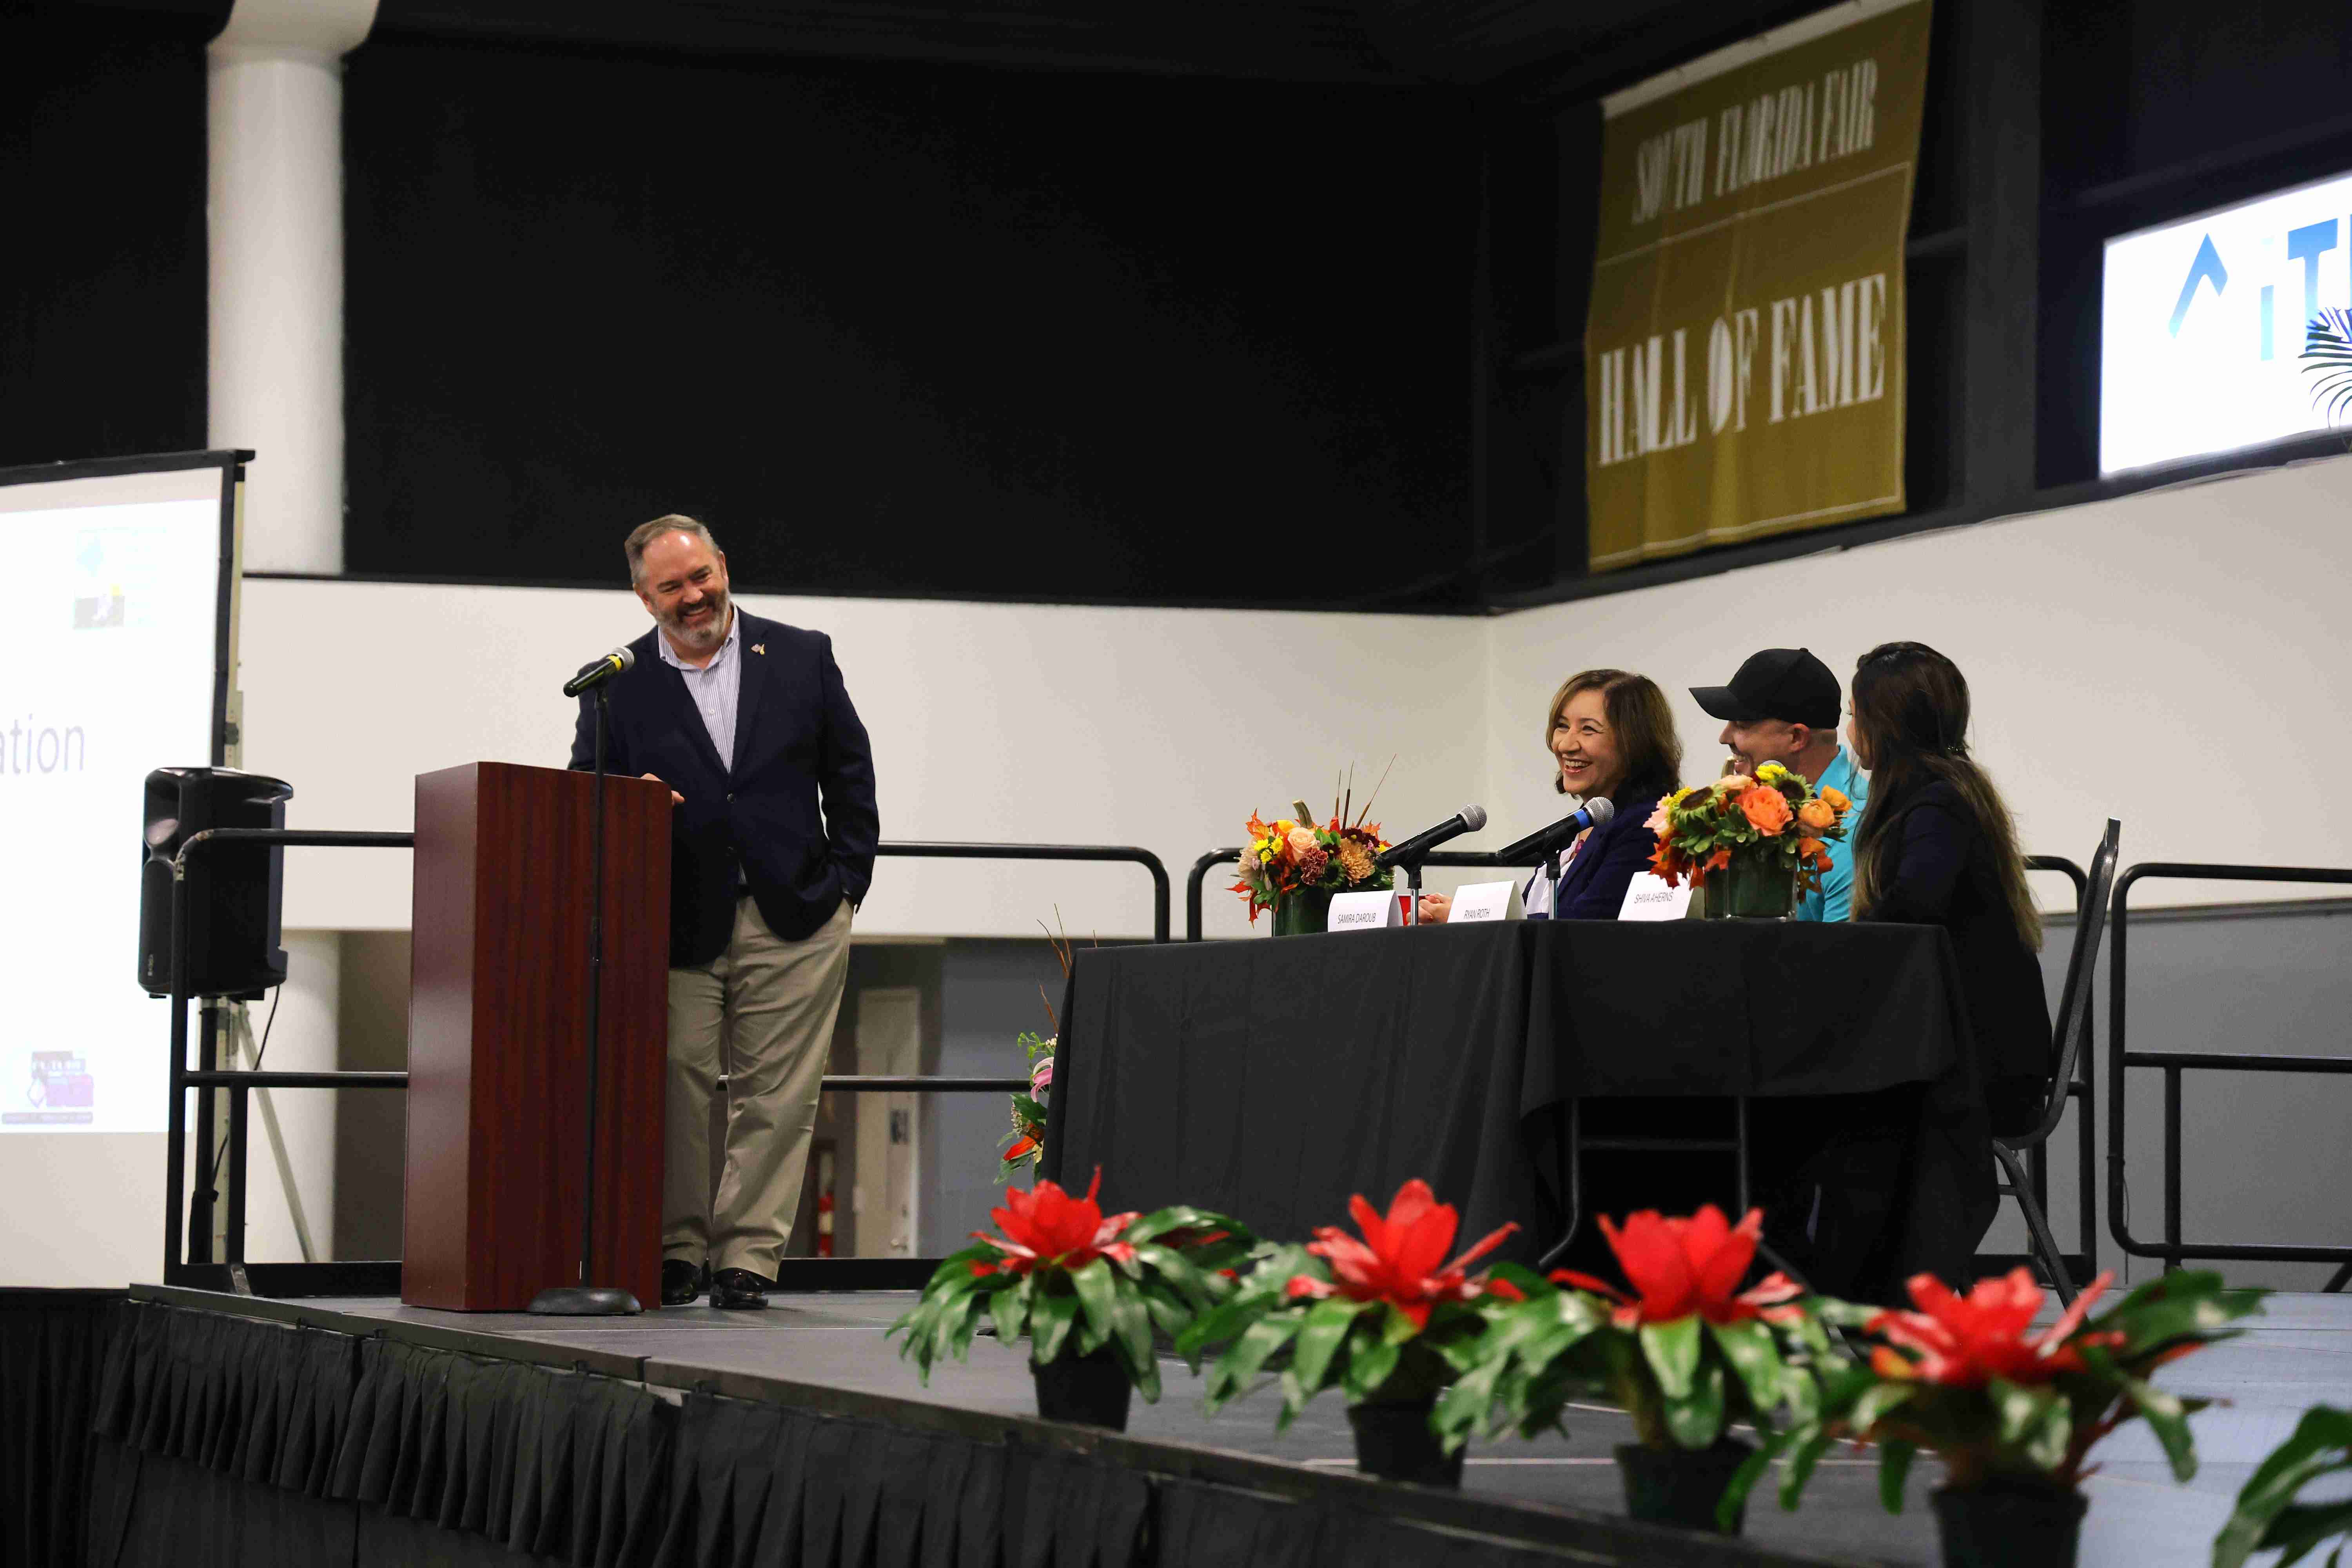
[
  {"x": 1611, "y": 736},
  {"x": 1937, "y": 845}
]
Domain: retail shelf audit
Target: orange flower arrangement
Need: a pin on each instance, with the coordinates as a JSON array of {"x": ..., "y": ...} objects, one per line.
[
  {"x": 1773, "y": 820},
  {"x": 1291, "y": 856}
]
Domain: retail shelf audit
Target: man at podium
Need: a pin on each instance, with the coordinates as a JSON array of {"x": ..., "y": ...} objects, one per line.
[{"x": 749, "y": 723}]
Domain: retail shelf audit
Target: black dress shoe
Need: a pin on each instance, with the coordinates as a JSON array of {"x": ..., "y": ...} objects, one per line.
[
  {"x": 740, "y": 1289},
  {"x": 682, "y": 1281}
]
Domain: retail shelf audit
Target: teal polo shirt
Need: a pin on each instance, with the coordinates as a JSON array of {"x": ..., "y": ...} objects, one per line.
[{"x": 1833, "y": 899}]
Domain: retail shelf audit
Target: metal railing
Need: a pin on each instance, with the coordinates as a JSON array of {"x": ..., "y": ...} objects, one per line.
[
  {"x": 193, "y": 1238},
  {"x": 2173, "y": 1249}
]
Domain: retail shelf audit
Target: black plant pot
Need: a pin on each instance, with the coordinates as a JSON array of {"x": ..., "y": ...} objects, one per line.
[
  {"x": 1393, "y": 1442},
  {"x": 1681, "y": 1486},
  {"x": 1090, "y": 1390},
  {"x": 2017, "y": 1526}
]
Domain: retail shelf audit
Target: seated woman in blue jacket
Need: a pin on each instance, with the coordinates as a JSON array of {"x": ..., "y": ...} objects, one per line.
[{"x": 1612, "y": 736}]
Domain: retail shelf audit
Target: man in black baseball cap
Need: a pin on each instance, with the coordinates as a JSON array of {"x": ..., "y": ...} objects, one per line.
[{"x": 1782, "y": 707}]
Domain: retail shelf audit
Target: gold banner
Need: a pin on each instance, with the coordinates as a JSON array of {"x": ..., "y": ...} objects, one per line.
[{"x": 1744, "y": 348}]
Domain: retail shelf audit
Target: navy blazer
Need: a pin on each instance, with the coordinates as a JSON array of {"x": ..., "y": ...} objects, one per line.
[
  {"x": 1593, "y": 886},
  {"x": 797, "y": 739}
]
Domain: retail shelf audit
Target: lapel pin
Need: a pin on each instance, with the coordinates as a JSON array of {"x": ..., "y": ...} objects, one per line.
[{"x": 759, "y": 647}]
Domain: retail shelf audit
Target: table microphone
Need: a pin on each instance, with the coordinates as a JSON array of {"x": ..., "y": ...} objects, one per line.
[
  {"x": 1469, "y": 819},
  {"x": 1535, "y": 845},
  {"x": 598, "y": 671}
]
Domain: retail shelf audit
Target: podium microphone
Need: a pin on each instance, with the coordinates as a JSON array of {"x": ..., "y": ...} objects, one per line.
[
  {"x": 1537, "y": 845},
  {"x": 1469, "y": 819},
  {"x": 598, "y": 671}
]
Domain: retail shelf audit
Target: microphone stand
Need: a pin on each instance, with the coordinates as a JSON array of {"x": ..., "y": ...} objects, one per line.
[{"x": 583, "y": 1299}]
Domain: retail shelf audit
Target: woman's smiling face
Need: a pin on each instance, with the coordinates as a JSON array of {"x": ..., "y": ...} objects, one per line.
[{"x": 1585, "y": 746}]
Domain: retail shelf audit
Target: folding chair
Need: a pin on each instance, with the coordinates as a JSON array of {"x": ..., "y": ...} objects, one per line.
[{"x": 2071, "y": 1037}]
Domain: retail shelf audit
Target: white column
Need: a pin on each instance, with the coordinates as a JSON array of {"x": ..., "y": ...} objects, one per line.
[{"x": 275, "y": 217}]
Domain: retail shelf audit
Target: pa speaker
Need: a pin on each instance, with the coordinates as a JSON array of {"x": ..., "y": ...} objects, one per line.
[{"x": 235, "y": 890}]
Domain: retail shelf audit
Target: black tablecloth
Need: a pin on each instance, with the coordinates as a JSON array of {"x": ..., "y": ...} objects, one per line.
[{"x": 1271, "y": 1079}]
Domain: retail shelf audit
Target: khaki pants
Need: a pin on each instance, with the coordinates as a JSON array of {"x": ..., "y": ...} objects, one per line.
[{"x": 762, "y": 1011}]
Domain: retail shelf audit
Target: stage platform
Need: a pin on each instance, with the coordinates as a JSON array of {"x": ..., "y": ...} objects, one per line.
[{"x": 825, "y": 1352}]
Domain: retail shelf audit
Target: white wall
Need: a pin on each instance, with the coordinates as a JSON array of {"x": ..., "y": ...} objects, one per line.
[
  {"x": 1012, "y": 723},
  {"x": 2174, "y": 658}
]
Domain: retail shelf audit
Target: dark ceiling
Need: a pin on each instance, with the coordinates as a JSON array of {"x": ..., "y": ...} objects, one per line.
[{"x": 1531, "y": 50}]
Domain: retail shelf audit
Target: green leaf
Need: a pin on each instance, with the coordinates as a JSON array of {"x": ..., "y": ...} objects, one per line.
[
  {"x": 1327, "y": 1325},
  {"x": 2020, "y": 1410},
  {"x": 1806, "y": 1449},
  {"x": 1247, "y": 1355},
  {"x": 1050, "y": 1318},
  {"x": 1696, "y": 1421},
  {"x": 1743, "y": 1479},
  {"x": 1749, "y": 1348},
  {"x": 2320, "y": 1445},
  {"x": 2163, "y": 1412},
  {"x": 1894, "y": 1469},
  {"x": 1177, "y": 1269},
  {"x": 1875, "y": 1401},
  {"x": 1011, "y": 1309},
  {"x": 2298, "y": 1530},
  {"x": 1131, "y": 1325},
  {"x": 1395, "y": 1327},
  {"x": 1673, "y": 1353},
  {"x": 1097, "y": 1299},
  {"x": 1220, "y": 1325},
  {"x": 1465, "y": 1405},
  {"x": 1368, "y": 1366}
]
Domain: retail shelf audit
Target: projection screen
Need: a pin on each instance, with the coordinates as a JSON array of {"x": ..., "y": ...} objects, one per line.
[{"x": 120, "y": 655}]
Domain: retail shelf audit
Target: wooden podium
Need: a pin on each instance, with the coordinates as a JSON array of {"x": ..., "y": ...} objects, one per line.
[{"x": 497, "y": 1037}]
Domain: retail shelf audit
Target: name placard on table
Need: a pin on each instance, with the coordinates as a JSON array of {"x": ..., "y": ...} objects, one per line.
[
  {"x": 1487, "y": 901},
  {"x": 1649, "y": 899},
  {"x": 1364, "y": 911}
]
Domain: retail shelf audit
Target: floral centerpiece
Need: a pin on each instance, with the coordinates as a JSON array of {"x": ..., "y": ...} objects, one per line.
[
  {"x": 1379, "y": 1317},
  {"x": 1025, "y": 1144},
  {"x": 1751, "y": 845},
  {"x": 1684, "y": 1351},
  {"x": 1293, "y": 866},
  {"x": 2013, "y": 1415},
  {"x": 1087, "y": 1291}
]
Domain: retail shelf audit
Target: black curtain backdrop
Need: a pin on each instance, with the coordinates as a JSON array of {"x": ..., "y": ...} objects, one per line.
[
  {"x": 102, "y": 273},
  {"x": 901, "y": 329},
  {"x": 140, "y": 1433}
]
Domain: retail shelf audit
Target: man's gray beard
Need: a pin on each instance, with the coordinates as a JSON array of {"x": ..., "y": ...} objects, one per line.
[{"x": 703, "y": 638}]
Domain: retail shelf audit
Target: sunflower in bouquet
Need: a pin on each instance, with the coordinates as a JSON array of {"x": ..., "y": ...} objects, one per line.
[
  {"x": 1295, "y": 855},
  {"x": 1773, "y": 818}
]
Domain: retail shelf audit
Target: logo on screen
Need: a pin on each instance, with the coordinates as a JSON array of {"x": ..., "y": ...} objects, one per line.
[
  {"x": 108, "y": 565},
  {"x": 61, "y": 1090}
]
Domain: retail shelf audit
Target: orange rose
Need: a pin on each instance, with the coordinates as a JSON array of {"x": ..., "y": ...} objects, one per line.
[
  {"x": 1838, "y": 802},
  {"x": 1817, "y": 815},
  {"x": 1766, "y": 809},
  {"x": 1807, "y": 847}
]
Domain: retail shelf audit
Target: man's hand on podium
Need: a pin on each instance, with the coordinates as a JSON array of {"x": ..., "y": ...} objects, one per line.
[{"x": 675, "y": 798}]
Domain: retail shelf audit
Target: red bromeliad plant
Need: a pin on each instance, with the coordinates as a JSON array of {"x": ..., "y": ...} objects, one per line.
[
  {"x": 1684, "y": 1351},
  {"x": 1379, "y": 1316},
  {"x": 1075, "y": 1282},
  {"x": 1965, "y": 1378}
]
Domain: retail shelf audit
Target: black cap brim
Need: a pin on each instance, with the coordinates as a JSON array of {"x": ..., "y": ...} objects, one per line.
[{"x": 1719, "y": 703}]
